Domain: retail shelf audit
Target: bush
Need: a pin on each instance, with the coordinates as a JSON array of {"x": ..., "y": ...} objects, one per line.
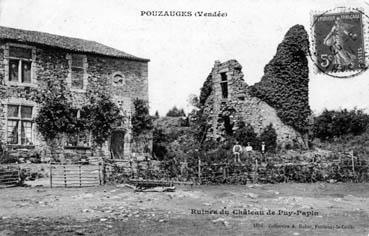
[
  {"x": 332, "y": 124},
  {"x": 245, "y": 134},
  {"x": 99, "y": 116},
  {"x": 141, "y": 120},
  {"x": 160, "y": 144},
  {"x": 269, "y": 137},
  {"x": 175, "y": 112}
]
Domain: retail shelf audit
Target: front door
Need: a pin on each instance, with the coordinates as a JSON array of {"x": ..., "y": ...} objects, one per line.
[{"x": 117, "y": 144}]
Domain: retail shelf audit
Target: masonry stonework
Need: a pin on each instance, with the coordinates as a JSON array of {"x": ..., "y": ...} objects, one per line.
[
  {"x": 123, "y": 79},
  {"x": 230, "y": 102}
]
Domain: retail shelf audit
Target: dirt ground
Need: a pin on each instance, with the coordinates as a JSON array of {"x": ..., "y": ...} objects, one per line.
[{"x": 280, "y": 209}]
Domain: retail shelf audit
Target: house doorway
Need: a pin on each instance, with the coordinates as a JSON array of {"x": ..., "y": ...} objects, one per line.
[{"x": 117, "y": 144}]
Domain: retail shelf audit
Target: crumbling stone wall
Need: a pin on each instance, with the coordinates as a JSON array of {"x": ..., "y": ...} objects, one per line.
[
  {"x": 239, "y": 105},
  {"x": 52, "y": 63}
]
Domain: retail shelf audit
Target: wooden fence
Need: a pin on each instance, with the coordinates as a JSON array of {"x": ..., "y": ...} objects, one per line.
[
  {"x": 9, "y": 175},
  {"x": 75, "y": 175}
]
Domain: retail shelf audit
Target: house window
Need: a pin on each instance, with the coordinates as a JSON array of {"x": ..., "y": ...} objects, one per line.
[
  {"x": 224, "y": 85},
  {"x": 19, "y": 124},
  {"x": 118, "y": 79},
  {"x": 20, "y": 63},
  {"x": 77, "y": 71}
]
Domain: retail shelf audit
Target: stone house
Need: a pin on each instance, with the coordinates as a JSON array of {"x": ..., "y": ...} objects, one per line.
[
  {"x": 29, "y": 58},
  {"x": 230, "y": 102}
]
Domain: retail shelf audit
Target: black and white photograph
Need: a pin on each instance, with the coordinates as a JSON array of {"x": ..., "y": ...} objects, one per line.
[{"x": 184, "y": 117}]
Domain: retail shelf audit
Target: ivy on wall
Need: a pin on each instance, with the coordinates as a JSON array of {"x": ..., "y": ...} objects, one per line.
[
  {"x": 141, "y": 119},
  {"x": 285, "y": 84},
  {"x": 99, "y": 116},
  {"x": 57, "y": 114},
  {"x": 205, "y": 90}
]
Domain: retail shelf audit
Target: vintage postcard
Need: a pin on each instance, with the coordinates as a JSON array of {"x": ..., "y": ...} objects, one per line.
[{"x": 182, "y": 117}]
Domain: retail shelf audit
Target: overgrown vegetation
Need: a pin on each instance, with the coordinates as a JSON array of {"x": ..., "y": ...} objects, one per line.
[
  {"x": 176, "y": 112},
  {"x": 57, "y": 114},
  {"x": 141, "y": 119},
  {"x": 285, "y": 84},
  {"x": 333, "y": 124},
  {"x": 100, "y": 115},
  {"x": 269, "y": 137},
  {"x": 245, "y": 135}
]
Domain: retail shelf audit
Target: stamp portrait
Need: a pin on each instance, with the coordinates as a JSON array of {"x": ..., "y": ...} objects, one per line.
[{"x": 339, "y": 42}]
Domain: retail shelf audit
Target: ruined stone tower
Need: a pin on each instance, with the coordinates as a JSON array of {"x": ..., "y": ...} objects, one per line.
[{"x": 230, "y": 102}]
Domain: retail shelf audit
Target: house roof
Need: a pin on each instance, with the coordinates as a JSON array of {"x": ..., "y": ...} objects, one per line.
[{"x": 69, "y": 43}]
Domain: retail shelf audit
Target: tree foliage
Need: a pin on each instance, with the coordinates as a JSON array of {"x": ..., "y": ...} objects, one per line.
[
  {"x": 269, "y": 137},
  {"x": 141, "y": 119},
  {"x": 285, "y": 84},
  {"x": 176, "y": 112},
  {"x": 245, "y": 134},
  {"x": 100, "y": 115},
  {"x": 160, "y": 144},
  {"x": 56, "y": 113},
  {"x": 206, "y": 90},
  {"x": 332, "y": 124}
]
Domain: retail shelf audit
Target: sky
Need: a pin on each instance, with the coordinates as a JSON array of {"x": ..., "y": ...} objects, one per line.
[{"x": 183, "y": 50}]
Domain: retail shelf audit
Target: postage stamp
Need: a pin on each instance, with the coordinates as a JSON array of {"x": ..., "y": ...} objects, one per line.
[{"x": 338, "y": 39}]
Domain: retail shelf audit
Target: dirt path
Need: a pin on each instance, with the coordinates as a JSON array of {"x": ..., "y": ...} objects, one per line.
[{"x": 282, "y": 209}]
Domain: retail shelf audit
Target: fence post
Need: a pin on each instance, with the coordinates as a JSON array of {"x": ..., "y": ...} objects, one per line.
[
  {"x": 256, "y": 170},
  {"x": 51, "y": 176},
  {"x": 353, "y": 163},
  {"x": 100, "y": 173},
  {"x": 103, "y": 172},
  {"x": 225, "y": 172},
  {"x": 80, "y": 180},
  {"x": 65, "y": 176},
  {"x": 199, "y": 170},
  {"x": 131, "y": 166},
  {"x": 19, "y": 173}
]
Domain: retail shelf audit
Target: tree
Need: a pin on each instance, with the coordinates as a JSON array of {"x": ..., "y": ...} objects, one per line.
[
  {"x": 332, "y": 124},
  {"x": 100, "y": 115},
  {"x": 157, "y": 114},
  {"x": 141, "y": 119},
  {"x": 175, "y": 112},
  {"x": 160, "y": 144},
  {"x": 269, "y": 137},
  {"x": 245, "y": 134},
  {"x": 55, "y": 115}
]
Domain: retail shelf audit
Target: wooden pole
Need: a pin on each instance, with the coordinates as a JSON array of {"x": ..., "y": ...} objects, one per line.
[
  {"x": 103, "y": 172},
  {"x": 51, "y": 176},
  {"x": 199, "y": 170},
  {"x": 99, "y": 173},
  {"x": 353, "y": 163},
  {"x": 65, "y": 176},
  {"x": 80, "y": 179},
  {"x": 255, "y": 171},
  {"x": 19, "y": 172}
]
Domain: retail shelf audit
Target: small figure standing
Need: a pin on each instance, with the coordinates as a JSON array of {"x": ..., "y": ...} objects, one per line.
[
  {"x": 248, "y": 149},
  {"x": 237, "y": 149}
]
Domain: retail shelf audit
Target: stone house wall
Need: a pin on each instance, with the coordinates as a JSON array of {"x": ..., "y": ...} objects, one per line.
[
  {"x": 125, "y": 80},
  {"x": 239, "y": 105}
]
